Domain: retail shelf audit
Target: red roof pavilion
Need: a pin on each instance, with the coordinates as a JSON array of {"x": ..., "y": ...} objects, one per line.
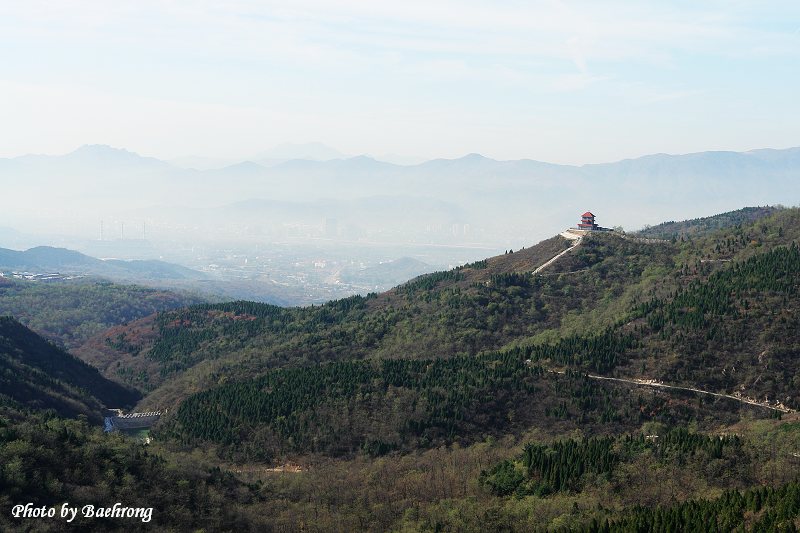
[{"x": 587, "y": 221}]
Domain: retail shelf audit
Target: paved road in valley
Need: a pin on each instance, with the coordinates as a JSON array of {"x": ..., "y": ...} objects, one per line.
[{"x": 656, "y": 384}]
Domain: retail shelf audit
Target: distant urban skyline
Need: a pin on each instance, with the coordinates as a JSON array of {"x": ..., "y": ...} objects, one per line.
[{"x": 562, "y": 82}]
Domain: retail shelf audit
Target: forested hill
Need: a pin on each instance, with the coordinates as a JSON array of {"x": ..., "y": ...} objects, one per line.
[
  {"x": 734, "y": 332},
  {"x": 481, "y": 306},
  {"x": 475, "y": 399},
  {"x": 487, "y": 305},
  {"x": 703, "y": 226},
  {"x": 36, "y": 374},
  {"x": 715, "y": 311}
]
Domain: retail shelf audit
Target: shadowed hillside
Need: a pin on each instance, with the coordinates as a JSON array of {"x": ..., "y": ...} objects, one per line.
[{"x": 37, "y": 374}]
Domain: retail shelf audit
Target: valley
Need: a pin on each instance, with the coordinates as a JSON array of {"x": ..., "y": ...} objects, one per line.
[
  {"x": 662, "y": 362},
  {"x": 402, "y": 267}
]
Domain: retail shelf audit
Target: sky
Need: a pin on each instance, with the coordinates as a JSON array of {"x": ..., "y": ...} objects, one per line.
[{"x": 560, "y": 81}]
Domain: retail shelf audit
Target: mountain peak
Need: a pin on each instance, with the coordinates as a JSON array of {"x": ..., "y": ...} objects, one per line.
[
  {"x": 101, "y": 149},
  {"x": 105, "y": 154},
  {"x": 475, "y": 156}
]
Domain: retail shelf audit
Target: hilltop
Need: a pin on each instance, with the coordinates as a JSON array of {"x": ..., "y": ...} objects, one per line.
[{"x": 704, "y": 226}]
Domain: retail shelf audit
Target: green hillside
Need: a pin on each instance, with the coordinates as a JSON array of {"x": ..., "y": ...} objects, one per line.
[
  {"x": 489, "y": 305},
  {"x": 70, "y": 312},
  {"x": 703, "y": 226},
  {"x": 478, "y": 399},
  {"x": 484, "y": 306},
  {"x": 668, "y": 311},
  {"x": 608, "y": 281}
]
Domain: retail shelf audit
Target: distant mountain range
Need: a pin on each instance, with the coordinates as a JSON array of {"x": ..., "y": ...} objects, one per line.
[{"x": 520, "y": 200}]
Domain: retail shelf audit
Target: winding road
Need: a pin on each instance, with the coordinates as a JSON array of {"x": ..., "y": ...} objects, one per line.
[
  {"x": 656, "y": 384},
  {"x": 577, "y": 238}
]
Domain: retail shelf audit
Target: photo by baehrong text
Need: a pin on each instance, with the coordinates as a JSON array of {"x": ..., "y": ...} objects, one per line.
[{"x": 69, "y": 513}]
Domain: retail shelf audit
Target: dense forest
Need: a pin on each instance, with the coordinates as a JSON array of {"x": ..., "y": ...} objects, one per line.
[
  {"x": 375, "y": 406},
  {"x": 566, "y": 465},
  {"x": 46, "y": 460},
  {"x": 585, "y": 484},
  {"x": 758, "y": 510},
  {"x": 729, "y": 292}
]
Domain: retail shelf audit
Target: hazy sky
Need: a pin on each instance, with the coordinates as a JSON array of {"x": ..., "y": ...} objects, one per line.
[{"x": 568, "y": 82}]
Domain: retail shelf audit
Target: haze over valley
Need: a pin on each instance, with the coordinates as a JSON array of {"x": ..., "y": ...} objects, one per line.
[
  {"x": 299, "y": 231},
  {"x": 429, "y": 266}
]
